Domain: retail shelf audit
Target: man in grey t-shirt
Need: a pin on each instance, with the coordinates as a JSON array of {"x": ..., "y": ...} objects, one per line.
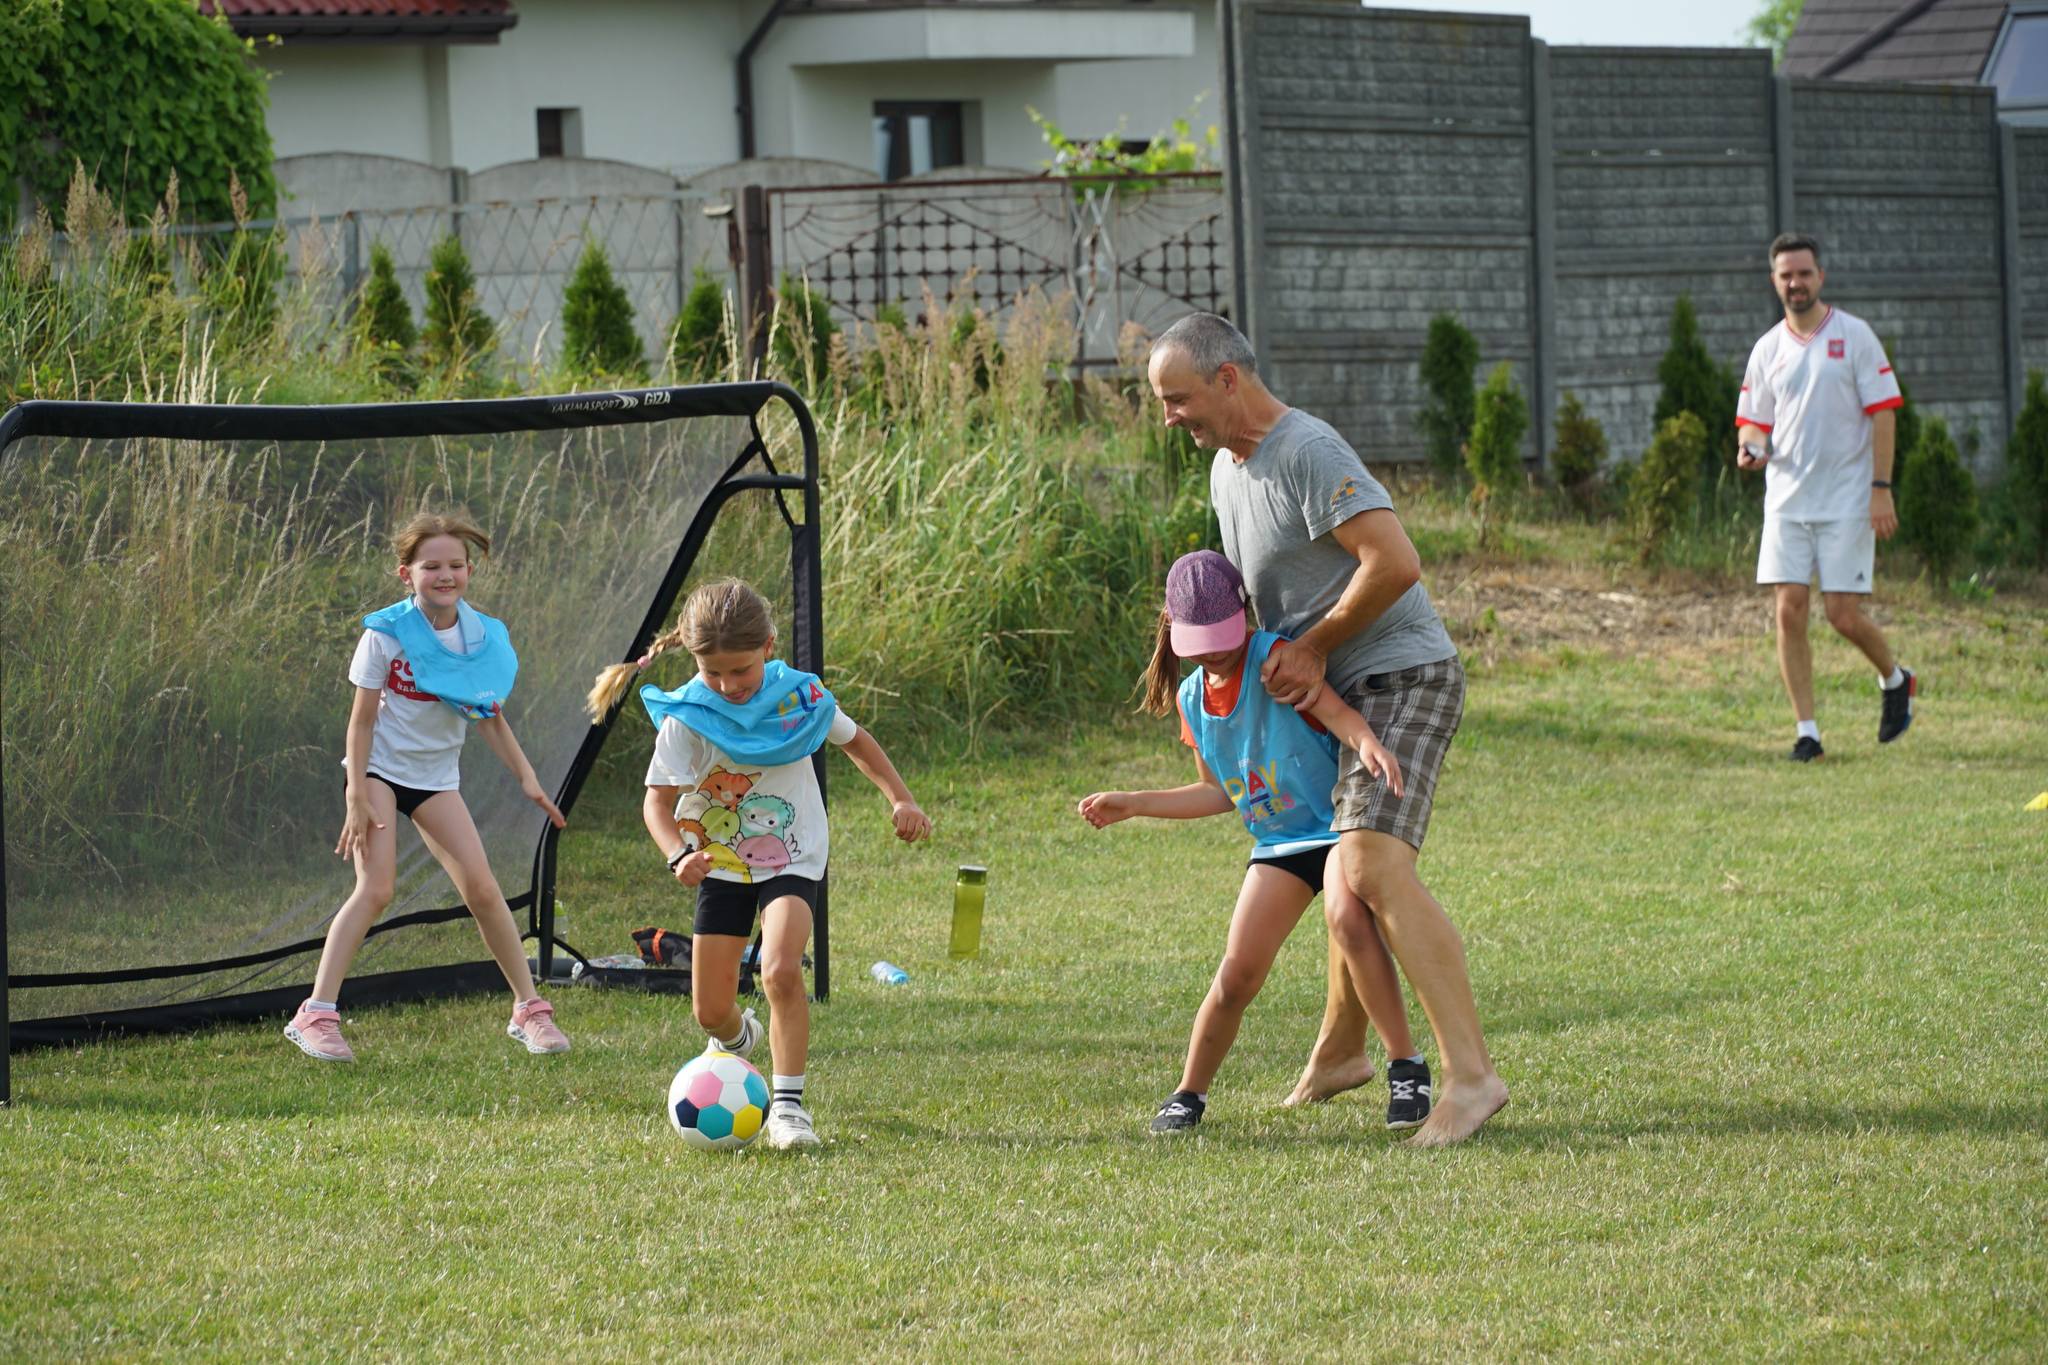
[{"x": 1329, "y": 566}]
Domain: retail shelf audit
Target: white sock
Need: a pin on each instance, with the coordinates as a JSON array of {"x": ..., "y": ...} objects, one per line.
[
  {"x": 788, "y": 1089},
  {"x": 1417, "y": 1059},
  {"x": 323, "y": 1005},
  {"x": 1810, "y": 729},
  {"x": 1897, "y": 679}
]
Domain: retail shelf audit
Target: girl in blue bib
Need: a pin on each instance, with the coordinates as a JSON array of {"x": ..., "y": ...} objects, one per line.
[
  {"x": 734, "y": 805},
  {"x": 1262, "y": 760},
  {"x": 427, "y": 668}
]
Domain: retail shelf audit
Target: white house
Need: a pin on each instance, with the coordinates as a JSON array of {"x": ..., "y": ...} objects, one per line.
[{"x": 890, "y": 86}]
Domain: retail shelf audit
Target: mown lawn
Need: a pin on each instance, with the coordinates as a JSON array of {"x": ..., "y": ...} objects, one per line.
[{"x": 1774, "y": 1035}]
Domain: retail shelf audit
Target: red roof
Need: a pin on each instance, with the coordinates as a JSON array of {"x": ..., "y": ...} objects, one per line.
[{"x": 452, "y": 20}]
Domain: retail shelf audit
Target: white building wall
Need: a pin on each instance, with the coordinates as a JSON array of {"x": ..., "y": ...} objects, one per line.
[
  {"x": 1145, "y": 96},
  {"x": 654, "y": 81},
  {"x": 336, "y": 98}
]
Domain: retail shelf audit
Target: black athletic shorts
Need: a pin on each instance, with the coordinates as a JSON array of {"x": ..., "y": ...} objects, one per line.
[
  {"x": 1306, "y": 866},
  {"x": 410, "y": 799},
  {"x": 725, "y": 907}
]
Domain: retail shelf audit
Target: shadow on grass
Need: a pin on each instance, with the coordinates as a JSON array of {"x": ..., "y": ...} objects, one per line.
[{"x": 2018, "y": 1118}]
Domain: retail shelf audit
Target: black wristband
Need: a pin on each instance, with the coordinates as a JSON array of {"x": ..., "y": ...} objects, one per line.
[
  {"x": 1880, "y": 483},
  {"x": 676, "y": 861}
]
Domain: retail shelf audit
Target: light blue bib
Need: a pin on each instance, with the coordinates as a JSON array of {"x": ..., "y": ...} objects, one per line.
[
  {"x": 786, "y": 719},
  {"x": 1277, "y": 770},
  {"x": 474, "y": 682}
]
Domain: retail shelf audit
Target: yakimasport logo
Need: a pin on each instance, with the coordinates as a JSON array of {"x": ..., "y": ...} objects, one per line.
[{"x": 611, "y": 401}]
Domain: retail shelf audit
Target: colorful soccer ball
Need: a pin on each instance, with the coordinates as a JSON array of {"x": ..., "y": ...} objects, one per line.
[{"x": 717, "y": 1101}]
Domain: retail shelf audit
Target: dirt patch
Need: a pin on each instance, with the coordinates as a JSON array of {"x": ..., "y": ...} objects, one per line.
[{"x": 1493, "y": 610}]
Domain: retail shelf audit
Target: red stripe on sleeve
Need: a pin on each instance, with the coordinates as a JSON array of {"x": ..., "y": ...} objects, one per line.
[
  {"x": 1752, "y": 422},
  {"x": 1884, "y": 369},
  {"x": 1887, "y": 403}
]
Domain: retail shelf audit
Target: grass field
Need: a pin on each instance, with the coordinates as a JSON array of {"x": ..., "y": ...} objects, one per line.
[{"x": 1774, "y": 1036}]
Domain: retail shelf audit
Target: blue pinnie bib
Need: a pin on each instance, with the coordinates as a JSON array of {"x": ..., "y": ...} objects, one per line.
[
  {"x": 786, "y": 719},
  {"x": 475, "y": 682},
  {"x": 1277, "y": 770}
]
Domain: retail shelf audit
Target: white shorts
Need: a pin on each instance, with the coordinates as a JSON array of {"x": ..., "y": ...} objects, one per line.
[{"x": 1843, "y": 553}]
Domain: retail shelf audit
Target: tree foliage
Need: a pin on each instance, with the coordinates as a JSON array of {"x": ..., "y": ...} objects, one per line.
[
  {"x": 459, "y": 336},
  {"x": 1693, "y": 381},
  {"x": 1665, "y": 482},
  {"x": 1937, "y": 501},
  {"x": 700, "y": 338},
  {"x": 1580, "y": 450},
  {"x": 2026, "y": 468},
  {"x": 1450, "y": 356},
  {"x": 599, "y": 335},
  {"x": 1090, "y": 163},
  {"x": 1772, "y": 24},
  {"x": 136, "y": 91}
]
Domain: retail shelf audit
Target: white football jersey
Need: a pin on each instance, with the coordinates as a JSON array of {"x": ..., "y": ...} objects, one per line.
[{"x": 1815, "y": 395}]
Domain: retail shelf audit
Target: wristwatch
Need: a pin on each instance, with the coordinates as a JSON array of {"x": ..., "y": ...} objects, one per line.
[{"x": 1880, "y": 483}]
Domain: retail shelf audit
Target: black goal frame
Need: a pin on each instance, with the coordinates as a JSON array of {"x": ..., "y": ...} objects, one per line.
[{"x": 358, "y": 421}]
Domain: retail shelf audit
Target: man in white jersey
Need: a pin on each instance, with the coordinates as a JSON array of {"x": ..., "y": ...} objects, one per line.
[{"x": 1820, "y": 391}]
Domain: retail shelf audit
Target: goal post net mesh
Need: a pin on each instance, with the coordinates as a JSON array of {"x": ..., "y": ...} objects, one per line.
[{"x": 184, "y": 588}]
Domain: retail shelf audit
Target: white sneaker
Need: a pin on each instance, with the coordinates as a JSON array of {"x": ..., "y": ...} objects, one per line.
[
  {"x": 751, "y": 1033},
  {"x": 789, "y": 1125}
]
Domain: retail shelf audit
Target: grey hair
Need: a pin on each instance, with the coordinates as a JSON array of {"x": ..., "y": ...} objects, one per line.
[{"x": 1209, "y": 342}]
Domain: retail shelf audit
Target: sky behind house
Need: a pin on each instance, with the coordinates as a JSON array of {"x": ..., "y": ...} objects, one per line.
[{"x": 1627, "y": 23}]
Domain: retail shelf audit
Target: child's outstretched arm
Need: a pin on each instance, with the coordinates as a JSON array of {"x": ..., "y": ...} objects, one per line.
[
  {"x": 1191, "y": 802},
  {"x": 498, "y": 734},
  {"x": 912, "y": 823},
  {"x": 1341, "y": 719}
]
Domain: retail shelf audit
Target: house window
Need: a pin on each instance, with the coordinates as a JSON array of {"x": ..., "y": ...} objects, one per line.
[
  {"x": 912, "y": 138},
  {"x": 2019, "y": 64},
  {"x": 559, "y": 131}
]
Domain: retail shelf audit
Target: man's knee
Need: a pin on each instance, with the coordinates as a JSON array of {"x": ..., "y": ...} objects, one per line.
[
  {"x": 1351, "y": 924},
  {"x": 1793, "y": 605},
  {"x": 1845, "y": 611},
  {"x": 1376, "y": 866}
]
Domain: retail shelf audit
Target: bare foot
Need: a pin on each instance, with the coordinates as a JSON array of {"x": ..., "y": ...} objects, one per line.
[
  {"x": 1460, "y": 1111},
  {"x": 1320, "y": 1080}
]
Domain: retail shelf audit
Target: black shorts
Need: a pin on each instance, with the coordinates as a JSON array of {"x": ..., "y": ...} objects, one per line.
[
  {"x": 725, "y": 907},
  {"x": 1306, "y": 865},
  {"x": 410, "y": 799}
]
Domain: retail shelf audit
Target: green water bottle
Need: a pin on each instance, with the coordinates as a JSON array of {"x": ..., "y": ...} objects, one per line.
[{"x": 967, "y": 894}]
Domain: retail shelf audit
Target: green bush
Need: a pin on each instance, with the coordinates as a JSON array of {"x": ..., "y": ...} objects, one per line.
[
  {"x": 136, "y": 91},
  {"x": 1937, "y": 502},
  {"x": 1579, "y": 452},
  {"x": 1906, "y": 423},
  {"x": 1494, "y": 455},
  {"x": 2026, "y": 471},
  {"x": 1665, "y": 483},
  {"x": 1692, "y": 381},
  {"x": 459, "y": 336},
  {"x": 800, "y": 347},
  {"x": 383, "y": 320},
  {"x": 1450, "y": 357},
  {"x": 700, "y": 340},
  {"x": 599, "y": 335}
]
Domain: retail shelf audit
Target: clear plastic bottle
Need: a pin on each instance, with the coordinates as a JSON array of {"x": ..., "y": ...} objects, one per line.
[
  {"x": 889, "y": 974},
  {"x": 968, "y": 894}
]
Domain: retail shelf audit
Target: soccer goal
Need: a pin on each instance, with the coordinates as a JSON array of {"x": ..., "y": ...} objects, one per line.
[{"x": 184, "y": 587}]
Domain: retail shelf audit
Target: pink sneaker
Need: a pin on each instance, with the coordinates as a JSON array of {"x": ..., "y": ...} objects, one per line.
[
  {"x": 533, "y": 1023},
  {"x": 318, "y": 1034}
]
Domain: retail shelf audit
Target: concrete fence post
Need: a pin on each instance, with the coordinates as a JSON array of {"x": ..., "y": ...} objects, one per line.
[{"x": 1543, "y": 263}]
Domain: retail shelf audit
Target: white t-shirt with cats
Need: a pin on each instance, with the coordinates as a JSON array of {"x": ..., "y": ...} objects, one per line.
[{"x": 759, "y": 821}]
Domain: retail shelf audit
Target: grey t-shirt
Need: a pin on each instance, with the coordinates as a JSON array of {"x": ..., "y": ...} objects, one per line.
[{"x": 1277, "y": 510}]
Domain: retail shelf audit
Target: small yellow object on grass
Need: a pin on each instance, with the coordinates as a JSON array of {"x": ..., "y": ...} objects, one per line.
[{"x": 2039, "y": 803}]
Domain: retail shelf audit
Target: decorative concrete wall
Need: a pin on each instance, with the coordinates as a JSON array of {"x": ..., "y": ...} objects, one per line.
[{"x": 1390, "y": 165}]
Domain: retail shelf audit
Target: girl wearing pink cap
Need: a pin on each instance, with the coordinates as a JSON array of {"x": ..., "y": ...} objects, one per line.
[{"x": 1276, "y": 768}]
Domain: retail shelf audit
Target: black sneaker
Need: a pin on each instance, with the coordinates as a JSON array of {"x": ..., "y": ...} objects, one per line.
[
  {"x": 1898, "y": 708},
  {"x": 1407, "y": 1094},
  {"x": 1181, "y": 1112},
  {"x": 1806, "y": 750}
]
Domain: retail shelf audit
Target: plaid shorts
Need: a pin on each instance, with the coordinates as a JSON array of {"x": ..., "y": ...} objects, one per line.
[{"x": 1414, "y": 712}]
